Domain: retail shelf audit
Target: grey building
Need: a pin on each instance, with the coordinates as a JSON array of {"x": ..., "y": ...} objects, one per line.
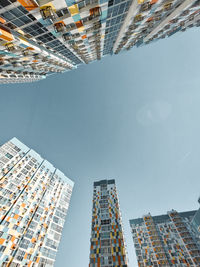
[{"x": 166, "y": 240}]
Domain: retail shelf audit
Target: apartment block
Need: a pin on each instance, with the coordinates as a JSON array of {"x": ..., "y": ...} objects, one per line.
[
  {"x": 107, "y": 239},
  {"x": 196, "y": 220},
  {"x": 34, "y": 199},
  {"x": 148, "y": 21},
  {"x": 42, "y": 37},
  {"x": 166, "y": 240}
]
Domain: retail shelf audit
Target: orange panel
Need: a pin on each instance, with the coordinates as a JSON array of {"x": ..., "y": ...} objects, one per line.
[
  {"x": 79, "y": 24},
  {"x": 16, "y": 216},
  {"x": 84, "y": 36},
  {"x": 5, "y": 34},
  {"x": 28, "y": 4},
  {"x": 119, "y": 260},
  {"x": 2, "y": 20},
  {"x": 150, "y": 19},
  {"x": 1, "y": 241}
]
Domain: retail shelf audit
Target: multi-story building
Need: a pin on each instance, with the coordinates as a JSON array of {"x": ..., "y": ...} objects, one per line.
[
  {"x": 107, "y": 240},
  {"x": 34, "y": 199},
  {"x": 196, "y": 220},
  {"x": 43, "y": 37},
  {"x": 166, "y": 240},
  {"x": 151, "y": 20}
]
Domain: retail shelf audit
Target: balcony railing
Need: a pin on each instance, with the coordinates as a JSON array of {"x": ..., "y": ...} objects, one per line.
[
  {"x": 59, "y": 27},
  {"x": 48, "y": 13}
]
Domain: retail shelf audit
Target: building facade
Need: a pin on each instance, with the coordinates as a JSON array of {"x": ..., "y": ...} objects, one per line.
[
  {"x": 196, "y": 220},
  {"x": 148, "y": 21},
  {"x": 166, "y": 240},
  {"x": 107, "y": 240},
  {"x": 43, "y": 37},
  {"x": 34, "y": 199}
]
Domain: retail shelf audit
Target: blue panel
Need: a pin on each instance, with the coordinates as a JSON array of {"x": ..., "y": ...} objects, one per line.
[
  {"x": 70, "y": 2},
  {"x": 76, "y": 17}
]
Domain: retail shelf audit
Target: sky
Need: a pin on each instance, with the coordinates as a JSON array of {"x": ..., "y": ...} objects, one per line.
[{"x": 134, "y": 117}]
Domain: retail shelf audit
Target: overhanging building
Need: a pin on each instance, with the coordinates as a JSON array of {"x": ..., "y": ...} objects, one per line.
[
  {"x": 148, "y": 21},
  {"x": 34, "y": 199},
  {"x": 107, "y": 247},
  {"x": 166, "y": 240},
  {"x": 43, "y": 37}
]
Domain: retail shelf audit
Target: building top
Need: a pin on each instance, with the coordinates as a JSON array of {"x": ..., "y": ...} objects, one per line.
[
  {"x": 104, "y": 182},
  {"x": 164, "y": 218},
  {"x": 34, "y": 154}
]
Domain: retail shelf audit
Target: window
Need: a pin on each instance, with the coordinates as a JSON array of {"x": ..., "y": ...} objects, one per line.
[
  {"x": 103, "y": 222},
  {"x": 105, "y": 242},
  {"x": 2, "y": 248}
]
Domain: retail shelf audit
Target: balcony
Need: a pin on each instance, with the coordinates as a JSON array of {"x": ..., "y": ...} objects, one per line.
[
  {"x": 167, "y": 7},
  {"x": 138, "y": 18},
  {"x": 145, "y": 7},
  {"x": 48, "y": 13},
  {"x": 94, "y": 13},
  {"x": 10, "y": 47},
  {"x": 67, "y": 37},
  {"x": 59, "y": 27}
]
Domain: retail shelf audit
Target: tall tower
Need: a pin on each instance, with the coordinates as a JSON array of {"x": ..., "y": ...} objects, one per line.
[
  {"x": 166, "y": 240},
  {"x": 196, "y": 220},
  {"x": 34, "y": 199},
  {"x": 107, "y": 239}
]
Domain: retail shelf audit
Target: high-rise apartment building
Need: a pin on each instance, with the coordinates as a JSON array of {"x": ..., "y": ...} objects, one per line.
[
  {"x": 34, "y": 199},
  {"x": 166, "y": 240},
  {"x": 43, "y": 37},
  {"x": 107, "y": 240},
  {"x": 196, "y": 220},
  {"x": 148, "y": 21}
]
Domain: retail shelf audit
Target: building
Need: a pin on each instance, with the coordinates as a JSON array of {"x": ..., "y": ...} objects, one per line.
[
  {"x": 43, "y": 37},
  {"x": 34, "y": 199},
  {"x": 166, "y": 240},
  {"x": 148, "y": 21},
  {"x": 196, "y": 220},
  {"x": 107, "y": 240}
]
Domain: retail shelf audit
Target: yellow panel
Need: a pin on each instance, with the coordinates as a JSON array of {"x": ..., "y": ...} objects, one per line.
[
  {"x": 73, "y": 9},
  {"x": 21, "y": 32},
  {"x": 49, "y": 4},
  {"x": 26, "y": 58},
  {"x": 28, "y": 4},
  {"x": 81, "y": 29},
  {"x": 5, "y": 34}
]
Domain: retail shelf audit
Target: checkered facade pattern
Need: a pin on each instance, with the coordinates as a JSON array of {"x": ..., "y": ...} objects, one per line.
[
  {"x": 34, "y": 199},
  {"x": 107, "y": 240},
  {"x": 42, "y": 37},
  {"x": 166, "y": 240}
]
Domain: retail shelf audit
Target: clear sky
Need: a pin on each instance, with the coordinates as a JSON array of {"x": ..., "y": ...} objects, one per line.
[{"x": 134, "y": 117}]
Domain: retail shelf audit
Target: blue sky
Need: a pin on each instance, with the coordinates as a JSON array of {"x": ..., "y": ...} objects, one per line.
[{"x": 134, "y": 117}]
